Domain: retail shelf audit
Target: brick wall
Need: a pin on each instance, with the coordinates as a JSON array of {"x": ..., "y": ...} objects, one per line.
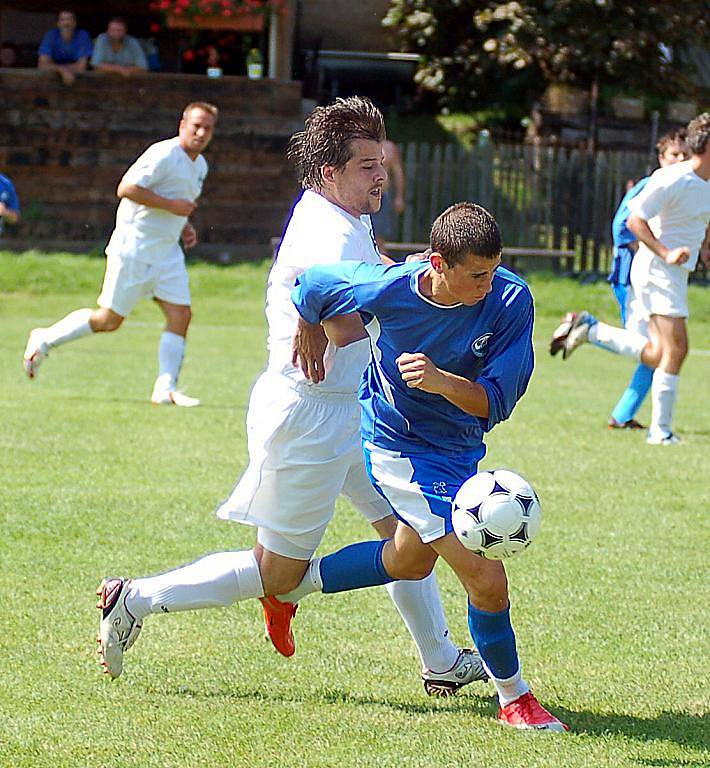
[{"x": 65, "y": 150}]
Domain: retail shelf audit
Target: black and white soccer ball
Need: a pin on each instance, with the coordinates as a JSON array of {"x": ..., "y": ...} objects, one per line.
[{"x": 496, "y": 514}]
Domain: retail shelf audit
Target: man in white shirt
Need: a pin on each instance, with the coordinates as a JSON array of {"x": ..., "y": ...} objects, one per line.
[
  {"x": 303, "y": 430},
  {"x": 670, "y": 219},
  {"x": 144, "y": 258}
]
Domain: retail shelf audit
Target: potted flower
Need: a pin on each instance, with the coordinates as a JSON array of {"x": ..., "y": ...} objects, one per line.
[{"x": 240, "y": 15}]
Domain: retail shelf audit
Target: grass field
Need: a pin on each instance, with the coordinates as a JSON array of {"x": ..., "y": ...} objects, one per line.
[{"x": 610, "y": 603}]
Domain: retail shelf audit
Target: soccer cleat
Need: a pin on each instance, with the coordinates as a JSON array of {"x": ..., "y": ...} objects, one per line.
[
  {"x": 467, "y": 668},
  {"x": 277, "y": 618},
  {"x": 35, "y": 351},
  {"x": 630, "y": 424},
  {"x": 118, "y": 628},
  {"x": 560, "y": 333},
  {"x": 578, "y": 333},
  {"x": 667, "y": 438},
  {"x": 174, "y": 398},
  {"x": 527, "y": 714}
]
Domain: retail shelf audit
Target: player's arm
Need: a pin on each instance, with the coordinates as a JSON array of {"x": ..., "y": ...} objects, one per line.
[
  {"x": 10, "y": 215},
  {"x": 145, "y": 196},
  {"x": 705, "y": 248},
  {"x": 639, "y": 226}
]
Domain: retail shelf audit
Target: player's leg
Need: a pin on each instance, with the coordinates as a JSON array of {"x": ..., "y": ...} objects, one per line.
[{"x": 664, "y": 391}]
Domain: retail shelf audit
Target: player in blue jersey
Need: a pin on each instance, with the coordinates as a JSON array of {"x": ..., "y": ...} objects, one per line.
[
  {"x": 671, "y": 149},
  {"x": 451, "y": 354}
]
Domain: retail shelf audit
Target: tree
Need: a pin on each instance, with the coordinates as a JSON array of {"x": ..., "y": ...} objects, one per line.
[{"x": 627, "y": 44}]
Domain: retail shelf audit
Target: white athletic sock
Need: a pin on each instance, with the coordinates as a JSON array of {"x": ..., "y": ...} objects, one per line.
[
  {"x": 214, "y": 581},
  {"x": 73, "y": 326},
  {"x": 170, "y": 354},
  {"x": 664, "y": 391},
  {"x": 310, "y": 583},
  {"x": 619, "y": 340},
  {"x": 419, "y": 605},
  {"x": 511, "y": 688}
]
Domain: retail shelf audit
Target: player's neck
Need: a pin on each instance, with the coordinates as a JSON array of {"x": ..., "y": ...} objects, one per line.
[
  {"x": 432, "y": 287},
  {"x": 331, "y": 198},
  {"x": 701, "y": 165},
  {"x": 191, "y": 154}
]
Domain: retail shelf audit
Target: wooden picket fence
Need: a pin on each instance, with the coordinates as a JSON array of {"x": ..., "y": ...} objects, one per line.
[{"x": 542, "y": 197}]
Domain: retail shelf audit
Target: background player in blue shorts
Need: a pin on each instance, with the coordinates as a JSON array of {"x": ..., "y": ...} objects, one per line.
[{"x": 451, "y": 354}]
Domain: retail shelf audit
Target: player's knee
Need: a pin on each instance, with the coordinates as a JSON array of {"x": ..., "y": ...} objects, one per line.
[
  {"x": 105, "y": 321},
  {"x": 412, "y": 571},
  {"x": 487, "y": 587},
  {"x": 278, "y": 583}
]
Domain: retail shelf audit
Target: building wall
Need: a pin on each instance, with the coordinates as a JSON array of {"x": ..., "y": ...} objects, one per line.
[{"x": 344, "y": 25}]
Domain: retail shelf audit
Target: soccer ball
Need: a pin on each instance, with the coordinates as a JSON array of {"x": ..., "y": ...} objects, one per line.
[{"x": 496, "y": 514}]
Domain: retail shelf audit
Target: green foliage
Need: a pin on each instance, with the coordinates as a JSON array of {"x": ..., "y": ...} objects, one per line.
[
  {"x": 469, "y": 46},
  {"x": 608, "y": 603}
]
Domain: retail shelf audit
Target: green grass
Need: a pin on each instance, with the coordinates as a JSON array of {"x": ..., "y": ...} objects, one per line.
[{"x": 610, "y": 604}]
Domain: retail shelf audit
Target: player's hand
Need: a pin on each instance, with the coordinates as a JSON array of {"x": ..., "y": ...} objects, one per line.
[
  {"x": 181, "y": 207},
  {"x": 421, "y": 256},
  {"x": 67, "y": 76},
  {"x": 3, "y": 209},
  {"x": 678, "y": 255},
  {"x": 418, "y": 371},
  {"x": 308, "y": 349},
  {"x": 189, "y": 236}
]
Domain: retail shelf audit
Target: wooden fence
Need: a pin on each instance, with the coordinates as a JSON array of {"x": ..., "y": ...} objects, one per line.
[{"x": 542, "y": 197}]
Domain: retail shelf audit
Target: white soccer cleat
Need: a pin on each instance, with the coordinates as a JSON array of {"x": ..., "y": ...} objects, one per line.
[
  {"x": 118, "y": 628},
  {"x": 667, "y": 438},
  {"x": 174, "y": 398},
  {"x": 557, "y": 342},
  {"x": 467, "y": 668},
  {"x": 35, "y": 351},
  {"x": 578, "y": 333}
]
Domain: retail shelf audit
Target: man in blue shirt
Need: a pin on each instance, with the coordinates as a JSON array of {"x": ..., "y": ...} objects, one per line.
[
  {"x": 65, "y": 49},
  {"x": 9, "y": 203},
  {"x": 451, "y": 354},
  {"x": 671, "y": 149}
]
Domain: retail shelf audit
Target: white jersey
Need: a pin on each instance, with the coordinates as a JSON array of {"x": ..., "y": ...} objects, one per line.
[
  {"x": 149, "y": 234},
  {"x": 676, "y": 205},
  {"x": 319, "y": 232}
]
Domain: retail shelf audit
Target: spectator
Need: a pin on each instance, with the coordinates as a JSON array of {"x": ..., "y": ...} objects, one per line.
[
  {"x": 386, "y": 222},
  {"x": 8, "y": 55},
  {"x": 9, "y": 204},
  {"x": 65, "y": 49},
  {"x": 116, "y": 51}
]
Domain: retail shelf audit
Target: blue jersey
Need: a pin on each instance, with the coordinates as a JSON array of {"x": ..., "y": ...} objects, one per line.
[
  {"x": 622, "y": 237},
  {"x": 490, "y": 343},
  {"x": 62, "y": 51},
  {"x": 8, "y": 196}
]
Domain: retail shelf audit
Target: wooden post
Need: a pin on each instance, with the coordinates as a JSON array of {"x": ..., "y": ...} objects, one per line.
[{"x": 281, "y": 31}]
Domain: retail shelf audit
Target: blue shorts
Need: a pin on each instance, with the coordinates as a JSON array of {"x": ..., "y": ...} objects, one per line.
[
  {"x": 622, "y": 296},
  {"x": 420, "y": 489}
]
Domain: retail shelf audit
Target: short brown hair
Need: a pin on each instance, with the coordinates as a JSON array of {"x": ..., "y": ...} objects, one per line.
[
  {"x": 669, "y": 138},
  {"x": 328, "y": 134},
  {"x": 203, "y": 105},
  {"x": 464, "y": 229},
  {"x": 698, "y": 133}
]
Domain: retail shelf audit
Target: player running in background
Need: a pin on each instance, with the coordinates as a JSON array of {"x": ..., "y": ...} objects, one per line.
[
  {"x": 671, "y": 149},
  {"x": 303, "y": 436},
  {"x": 144, "y": 257},
  {"x": 451, "y": 354},
  {"x": 670, "y": 219}
]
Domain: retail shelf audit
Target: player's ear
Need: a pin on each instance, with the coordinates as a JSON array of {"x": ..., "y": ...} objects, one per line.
[
  {"x": 327, "y": 173},
  {"x": 437, "y": 261}
]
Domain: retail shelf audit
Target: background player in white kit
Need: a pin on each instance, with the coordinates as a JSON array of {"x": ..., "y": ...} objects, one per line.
[
  {"x": 670, "y": 218},
  {"x": 304, "y": 444},
  {"x": 144, "y": 257}
]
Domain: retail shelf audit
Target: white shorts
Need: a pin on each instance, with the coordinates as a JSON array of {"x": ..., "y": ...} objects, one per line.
[
  {"x": 127, "y": 280},
  {"x": 658, "y": 289},
  {"x": 304, "y": 450}
]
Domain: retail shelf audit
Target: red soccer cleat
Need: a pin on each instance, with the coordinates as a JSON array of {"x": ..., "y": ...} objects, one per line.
[
  {"x": 528, "y": 714},
  {"x": 277, "y": 617}
]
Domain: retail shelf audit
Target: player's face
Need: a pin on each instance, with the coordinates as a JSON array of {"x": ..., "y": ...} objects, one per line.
[
  {"x": 469, "y": 282},
  {"x": 196, "y": 132},
  {"x": 675, "y": 152},
  {"x": 358, "y": 186}
]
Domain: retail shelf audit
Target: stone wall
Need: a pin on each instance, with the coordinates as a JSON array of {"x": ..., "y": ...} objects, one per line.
[{"x": 65, "y": 150}]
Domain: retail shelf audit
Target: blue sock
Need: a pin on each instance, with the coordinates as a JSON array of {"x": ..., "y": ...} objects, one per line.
[
  {"x": 494, "y": 638},
  {"x": 634, "y": 395},
  {"x": 359, "y": 565}
]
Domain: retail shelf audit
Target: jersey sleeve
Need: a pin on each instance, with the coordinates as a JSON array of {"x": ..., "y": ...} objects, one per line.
[
  {"x": 337, "y": 289},
  {"x": 12, "y": 201},
  {"x": 510, "y": 360},
  {"x": 653, "y": 197},
  {"x": 45, "y": 47},
  {"x": 149, "y": 169}
]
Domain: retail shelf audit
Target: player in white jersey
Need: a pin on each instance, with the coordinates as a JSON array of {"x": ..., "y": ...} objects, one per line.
[
  {"x": 303, "y": 427},
  {"x": 144, "y": 258},
  {"x": 670, "y": 218}
]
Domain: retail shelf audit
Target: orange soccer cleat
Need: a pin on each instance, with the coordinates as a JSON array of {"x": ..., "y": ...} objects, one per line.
[
  {"x": 528, "y": 714},
  {"x": 277, "y": 617}
]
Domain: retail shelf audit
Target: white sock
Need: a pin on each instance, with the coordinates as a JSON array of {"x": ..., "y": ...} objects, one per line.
[
  {"x": 73, "y": 326},
  {"x": 619, "y": 340},
  {"x": 511, "y": 688},
  {"x": 214, "y": 581},
  {"x": 310, "y": 583},
  {"x": 170, "y": 354},
  {"x": 664, "y": 391},
  {"x": 419, "y": 605}
]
